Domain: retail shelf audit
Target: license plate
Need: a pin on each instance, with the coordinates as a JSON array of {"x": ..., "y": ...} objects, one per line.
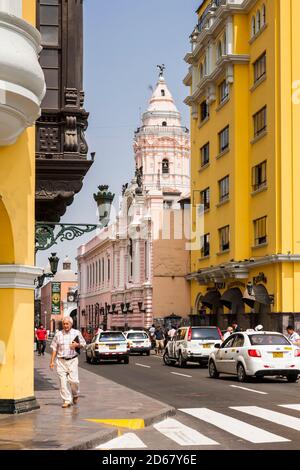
[
  {"x": 206, "y": 346},
  {"x": 112, "y": 347},
  {"x": 278, "y": 355}
]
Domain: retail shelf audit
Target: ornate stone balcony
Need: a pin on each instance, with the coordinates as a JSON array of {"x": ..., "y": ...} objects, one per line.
[{"x": 22, "y": 84}]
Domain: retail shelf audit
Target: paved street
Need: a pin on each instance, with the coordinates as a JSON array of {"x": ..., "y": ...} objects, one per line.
[{"x": 211, "y": 414}]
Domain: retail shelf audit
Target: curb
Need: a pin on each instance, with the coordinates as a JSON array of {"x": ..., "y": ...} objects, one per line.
[{"x": 98, "y": 438}]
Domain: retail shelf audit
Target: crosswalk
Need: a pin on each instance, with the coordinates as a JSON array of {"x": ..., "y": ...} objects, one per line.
[{"x": 230, "y": 422}]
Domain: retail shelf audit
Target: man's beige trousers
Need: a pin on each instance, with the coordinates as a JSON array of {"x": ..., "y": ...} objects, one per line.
[{"x": 68, "y": 375}]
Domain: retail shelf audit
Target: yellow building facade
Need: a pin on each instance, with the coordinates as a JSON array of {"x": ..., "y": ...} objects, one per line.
[
  {"x": 22, "y": 88},
  {"x": 244, "y": 72}
]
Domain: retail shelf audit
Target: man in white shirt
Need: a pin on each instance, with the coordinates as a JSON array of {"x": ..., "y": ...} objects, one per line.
[
  {"x": 65, "y": 346},
  {"x": 171, "y": 333},
  {"x": 228, "y": 333},
  {"x": 293, "y": 336}
]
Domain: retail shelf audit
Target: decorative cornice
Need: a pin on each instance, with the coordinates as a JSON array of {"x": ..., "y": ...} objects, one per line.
[
  {"x": 17, "y": 276},
  {"x": 238, "y": 270}
]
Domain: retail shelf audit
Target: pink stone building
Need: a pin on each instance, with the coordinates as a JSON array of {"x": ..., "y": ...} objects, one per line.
[{"x": 133, "y": 272}]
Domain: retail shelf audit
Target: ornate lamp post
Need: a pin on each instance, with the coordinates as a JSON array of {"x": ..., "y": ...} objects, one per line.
[
  {"x": 53, "y": 260},
  {"x": 45, "y": 236}
]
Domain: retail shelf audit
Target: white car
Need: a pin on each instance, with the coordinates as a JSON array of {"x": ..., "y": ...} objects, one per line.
[
  {"x": 108, "y": 345},
  {"x": 192, "y": 344},
  {"x": 139, "y": 342},
  {"x": 255, "y": 354}
]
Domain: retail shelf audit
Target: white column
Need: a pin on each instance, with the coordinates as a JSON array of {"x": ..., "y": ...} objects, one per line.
[
  {"x": 122, "y": 268},
  {"x": 13, "y": 7},
  {"x": 137, "y": 261}
]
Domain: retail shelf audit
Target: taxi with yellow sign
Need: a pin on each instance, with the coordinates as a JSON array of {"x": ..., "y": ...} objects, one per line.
[
  {"x": 108, "y": 345},
  {"x": 255, "y": 354}
]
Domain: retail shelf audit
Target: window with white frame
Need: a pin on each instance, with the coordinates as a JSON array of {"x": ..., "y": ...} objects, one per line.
[{"x": 223, "y": 91}]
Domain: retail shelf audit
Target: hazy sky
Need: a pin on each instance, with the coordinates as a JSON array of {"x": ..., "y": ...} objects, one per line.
[{"x": 124, "y": 40}]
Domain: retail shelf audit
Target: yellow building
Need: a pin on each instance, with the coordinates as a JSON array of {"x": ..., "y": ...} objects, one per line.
[
  {"x": 22, "y": 88},
  {"x": 245, "y": 117}
]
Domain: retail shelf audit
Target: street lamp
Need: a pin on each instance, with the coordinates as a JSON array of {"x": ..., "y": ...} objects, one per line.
[
  {"x": 53, "y": 260},
  {"x": 104, "y": 199}
]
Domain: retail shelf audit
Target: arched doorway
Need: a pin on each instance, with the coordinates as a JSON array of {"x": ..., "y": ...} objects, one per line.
[
  {"x": 211, "y": 310},
  {"x": 7, "y": 254},
  {"x": 232, "y": 299},
  {"x": 73, "y": 315}
]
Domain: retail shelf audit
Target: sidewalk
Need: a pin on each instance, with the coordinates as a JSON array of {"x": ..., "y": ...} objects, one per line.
[{"x": 52, "y": 427}]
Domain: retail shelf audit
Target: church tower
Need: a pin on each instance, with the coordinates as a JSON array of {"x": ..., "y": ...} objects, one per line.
[{"x": 162, "y": 145}]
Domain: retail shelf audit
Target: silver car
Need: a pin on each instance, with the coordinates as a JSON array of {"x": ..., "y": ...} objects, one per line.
[{"x": 108, "y": 345}]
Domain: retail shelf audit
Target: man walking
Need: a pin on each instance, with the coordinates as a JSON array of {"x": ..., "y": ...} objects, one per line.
[
  {"x": 65, "y": 347},
  {"x": 293, "y": 335},
  {"x": 41, "y": 338},
  {"x": 159, "y": 340}
]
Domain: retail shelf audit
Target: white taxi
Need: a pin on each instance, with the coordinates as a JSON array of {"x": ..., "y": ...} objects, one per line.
[
  {"x": 255, "y": 354},
  {"x": 107, "y": 345},
  {"x": 138, "y": 342}
]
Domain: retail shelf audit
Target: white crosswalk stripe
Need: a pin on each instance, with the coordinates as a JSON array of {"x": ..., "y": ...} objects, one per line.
[
  {"x": 181, "y": 434},
  {"x": 187, "y": 436},
  {"x": 291, "y": 407},
  {"x": 268, "y": 415},
  {"x": 127, "y": 441},
  {"x": 234, "y": 426}
]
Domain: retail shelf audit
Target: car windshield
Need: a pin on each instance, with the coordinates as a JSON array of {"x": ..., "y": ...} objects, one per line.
[
  {"x": 205, "y": 333},
  {"x": 137, "y": 336},
  {"x": 268, "y": 339},
  {"x": 112, "y": 337}
]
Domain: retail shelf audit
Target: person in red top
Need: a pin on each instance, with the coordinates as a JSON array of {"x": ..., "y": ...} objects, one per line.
[{"x": 41, "y": 337}]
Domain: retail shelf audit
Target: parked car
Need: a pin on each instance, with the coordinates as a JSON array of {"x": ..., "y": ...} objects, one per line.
[
  {"x": 108, "y": 345},
  {"x": 138, "y": 341},
  {"x": 192, "y": 344},
  {"x": 255, "y": 354}
]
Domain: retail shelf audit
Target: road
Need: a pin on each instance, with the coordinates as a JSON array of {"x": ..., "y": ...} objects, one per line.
[{"x": 217, "y": 414}]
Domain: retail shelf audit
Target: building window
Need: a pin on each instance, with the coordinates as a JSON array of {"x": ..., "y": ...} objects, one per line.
[
  {"x": 263, "y": 15},
  {"x": 260, "y": 122},
  {"x": 99, "y": 270},
  {"x": 204, "y": 155},
  {"x": 258, "y": 21},
  {"x": 260, "y": 67},
  {"x": 205, "y": 245},
  {"x": 103, "y": 271},
  {"x": 219, "y": 50},
  {"x": 260, "y": 231},
  {"x": 204, "y": 111},
  {"x": 164, "y": 124},
  {"x": 130, "y": 253},
  {"x": 253, "y": 27},
  {"x": 165, "y": 166},
  {"x": 224, "y": 139},
  {"x": 108, "y": 269},
  {"x": 48, "y": 21},
  {"x": 224, "y": 238},
  {"x": 259, "y": 176},
  {"x": 163, "y": 93},
  {"x": 224, "y": 189},
  {"x": 205, "y": 198},
  {"x": 223, "y": 91}
]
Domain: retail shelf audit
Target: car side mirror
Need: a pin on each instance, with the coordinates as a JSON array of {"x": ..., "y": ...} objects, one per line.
[{"x": 217, "y": 346}]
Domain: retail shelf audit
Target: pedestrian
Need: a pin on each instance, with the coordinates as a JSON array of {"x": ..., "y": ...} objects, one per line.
[
  {"x": 152, "y": 335},
  {"x": 172, "y": 333},
  {"x": 293, "y": 335},
  {"x": 159, "y": 340},
  {"x": 41, "y": 338},
  {"x": 235, "y": 327},
  {"x": 228, "y": 333},
  {"x": 65, "y": 347}
]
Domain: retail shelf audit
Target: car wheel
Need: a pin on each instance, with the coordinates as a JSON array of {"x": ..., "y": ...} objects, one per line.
[
  {"x": 148, "y": 353},
  {"x": 213, "y": 373},
  {"x": 292, "y": 378},
  {"x": 126, "y": 360},
  {"x": 181, "y": 361},
  {"x": 88, "y": 359},
  {"x": 241, "y": 373},
  {"x": 167, "y": 360}
]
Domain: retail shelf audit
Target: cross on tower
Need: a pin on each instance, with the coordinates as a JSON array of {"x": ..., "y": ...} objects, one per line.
[{"x": 161, "y": 68}]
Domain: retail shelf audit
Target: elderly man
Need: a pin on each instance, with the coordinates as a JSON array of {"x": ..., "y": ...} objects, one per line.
[{"x": 64, "y": 347}]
